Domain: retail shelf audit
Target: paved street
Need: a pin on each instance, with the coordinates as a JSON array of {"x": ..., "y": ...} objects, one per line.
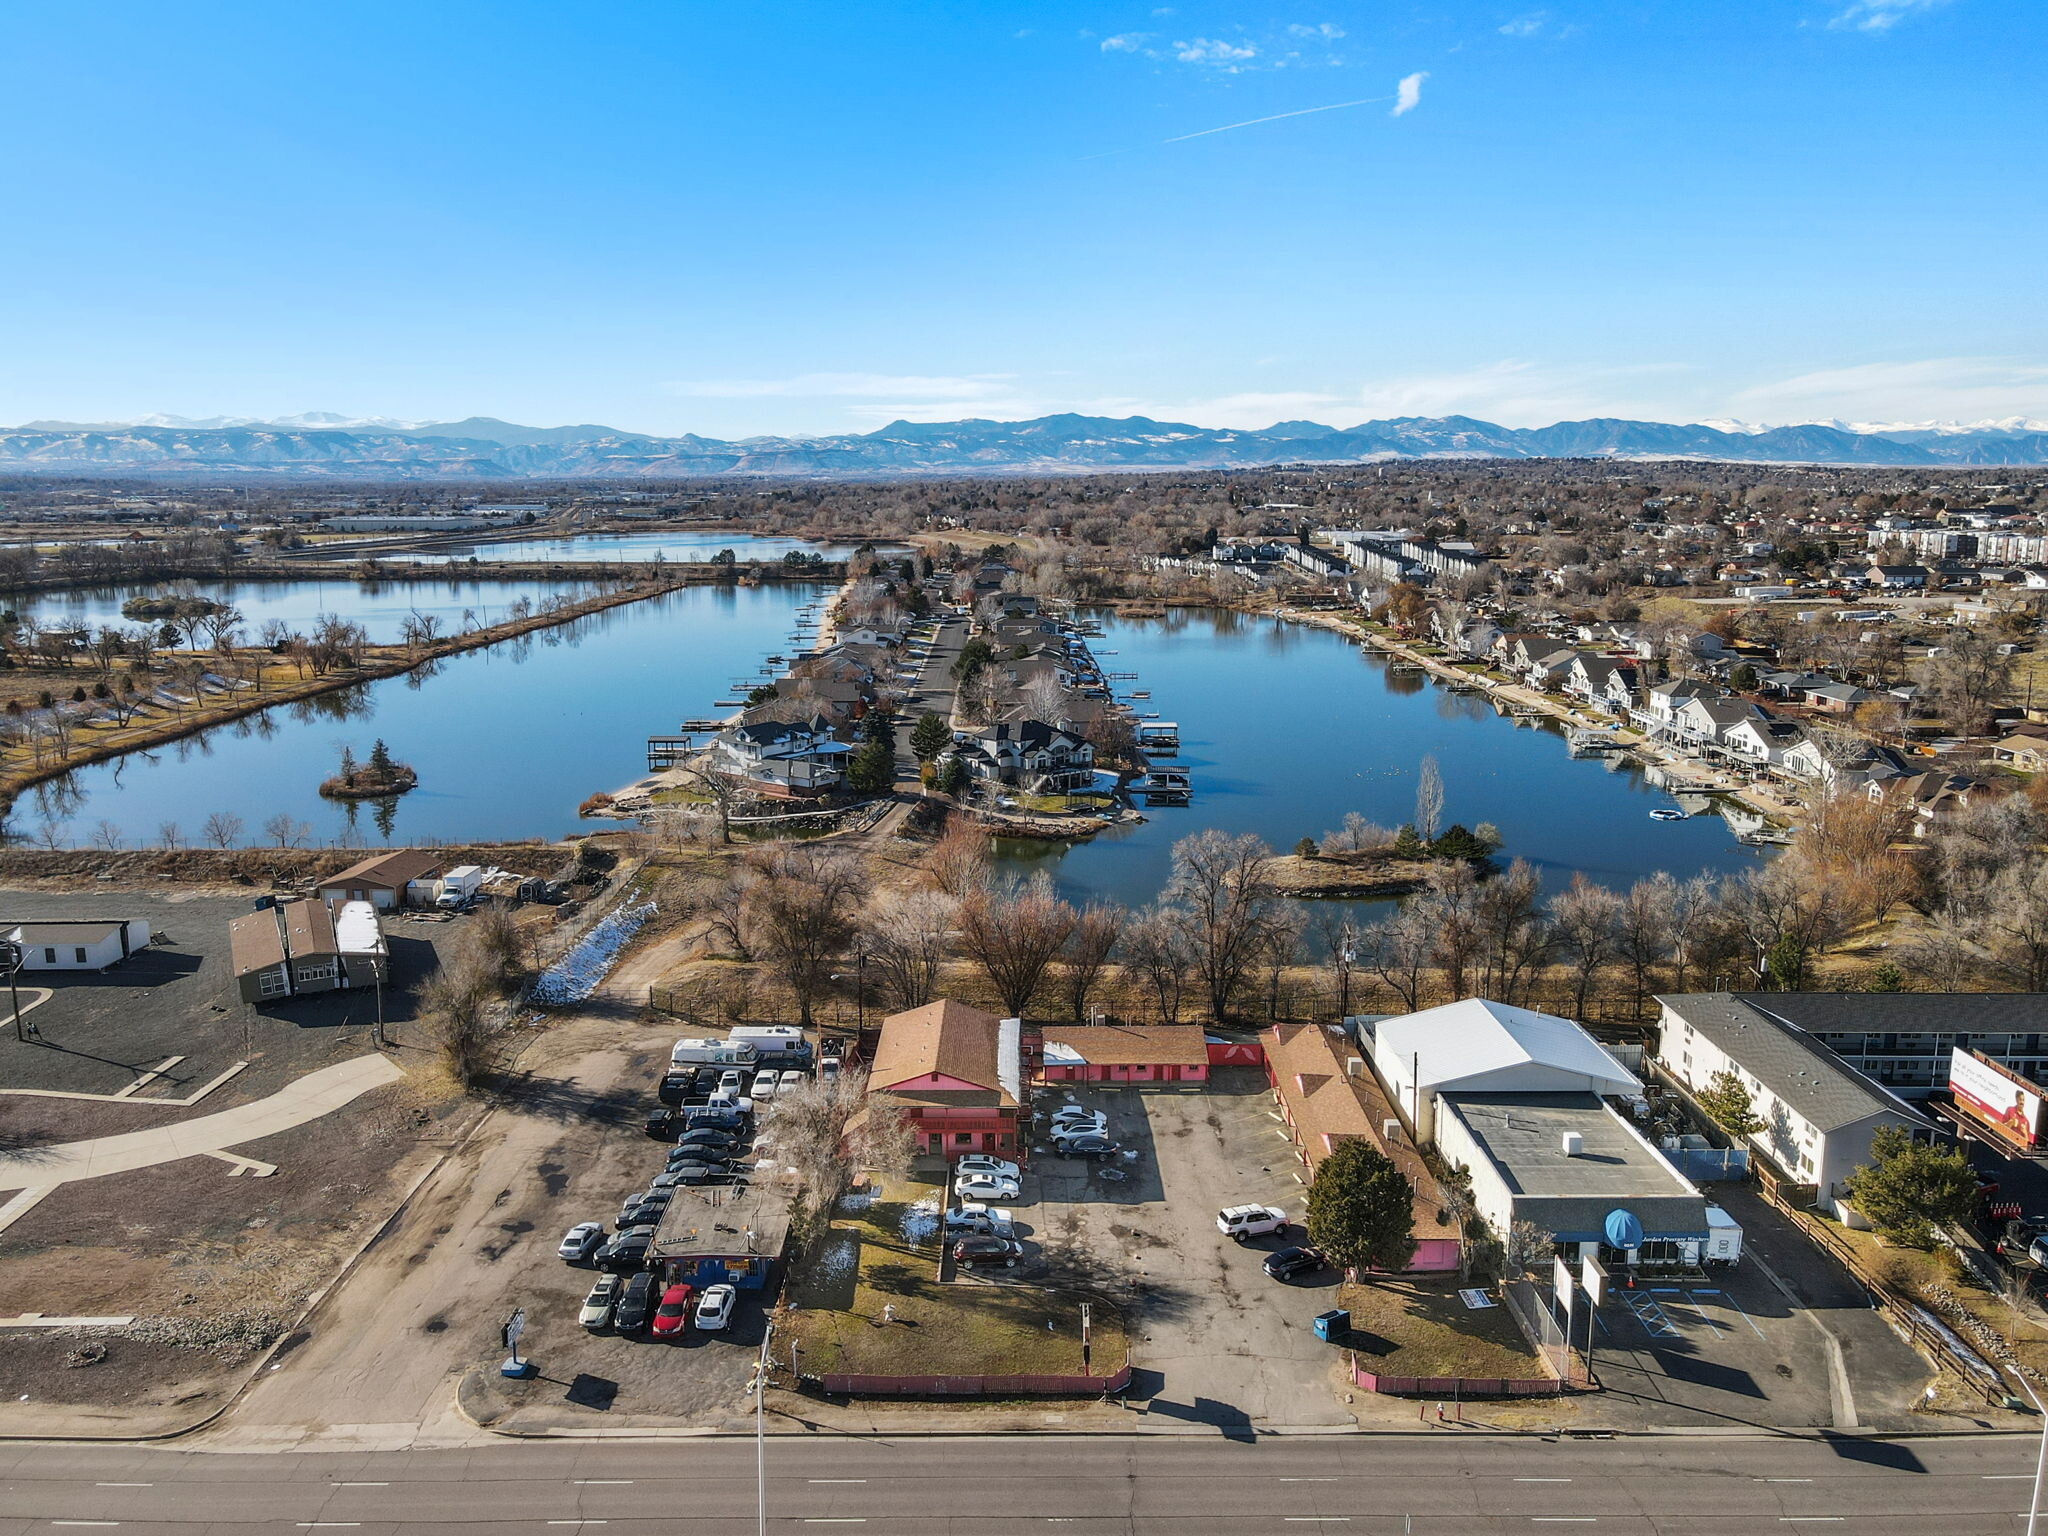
[{"x": 1442, "y": 1483}]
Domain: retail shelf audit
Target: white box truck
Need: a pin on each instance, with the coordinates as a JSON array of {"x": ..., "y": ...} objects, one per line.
[
  {"x": 459, "y": 885},
  {"x": 1724, "y": 1238}
]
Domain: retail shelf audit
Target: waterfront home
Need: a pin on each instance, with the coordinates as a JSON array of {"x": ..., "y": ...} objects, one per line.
[
  {"x": 782, "y": 759},
  {"x": 1762, "y": 742},
  {"x": 1548, "y": 671},
  {"x": 1593, "y": 678},
  {"x": 1926, "y": 797},
  {"x": 1847, "y": 764},
  {"x": 1032, "y": 754},
  {"x": 956, "y": 1074},
  {"x": 1703, "y": 720},
  {"x": 1658, "y": 714},
  {"x": 1476, "y": 641}
]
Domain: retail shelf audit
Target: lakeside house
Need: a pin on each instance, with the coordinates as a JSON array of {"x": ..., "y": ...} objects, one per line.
[{"x": 781, "y": 759}]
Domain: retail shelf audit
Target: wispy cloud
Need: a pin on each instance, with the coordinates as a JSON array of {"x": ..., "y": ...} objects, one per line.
[
  {"x": 1408, "y": 94},
  {"x": 857, "y": 386},
  {"x": 1215, "y": 52},
  {"x": 1532, "y": 24},
  {"x": 1243, "y": 50},
  {"x": 1881, "y": 15},
  {"x": 1944, "y": 388},
  {"x": 1125, "y": 42},
  {"x": 1328, "y": 31},
  {"x": 1253, "y": 122}
]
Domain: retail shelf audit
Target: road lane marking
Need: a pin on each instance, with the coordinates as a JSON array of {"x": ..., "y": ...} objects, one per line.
[
  {"x": 362, "y": 1485},
  {"x": 2007, "y": 1477},
  {"x": 836, "y": 1479},
  {"x": 835, "y": 1520},
  {"x": 1743, "y": 1315},
  {"x": 1564, "y": 1519},
  {"x": 85, "y": 1522},
  {"x": 602, "y": 1482},
  {"x": 1308, "y": 1479},
  {"x": 314, "y": 1525},
  {"x": 1542, "y": 1479},
  {"x": 124, "y": 1485},
  {"x": 1316, "y": 1519},
  {"x": 579, "y": 1522},
  {"x": 1809, "y": 1519},
  {"x": 1782, "y": 1479}
]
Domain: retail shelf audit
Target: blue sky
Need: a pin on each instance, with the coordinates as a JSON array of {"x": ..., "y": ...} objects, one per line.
[{"x": 765, "y": 217}]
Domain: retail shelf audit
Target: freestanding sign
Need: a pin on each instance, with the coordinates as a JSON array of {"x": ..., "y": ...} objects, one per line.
[
  {"x": 1561, "y": 1282},
  {"x": 1995, "y": 1095},
  {"x": 515, "y": 1325},
  {"x": 1593, "y": 1278}
]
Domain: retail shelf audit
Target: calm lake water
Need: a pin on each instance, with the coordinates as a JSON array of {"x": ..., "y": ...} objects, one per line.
[
  {"x": 670, "y": 545},
  {"x": 507, "y": 740},
  {"x": 1285, "y": 727},
  {"x": 380, "y": 606}
]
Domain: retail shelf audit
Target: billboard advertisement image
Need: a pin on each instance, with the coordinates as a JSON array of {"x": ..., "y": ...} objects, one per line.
[{"x": 2003, "y": 1100}]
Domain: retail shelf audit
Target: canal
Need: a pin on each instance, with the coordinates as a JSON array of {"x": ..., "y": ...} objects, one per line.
[
  {"x": 508, "y": 740},
  {"x": 1285, "y": 727}
]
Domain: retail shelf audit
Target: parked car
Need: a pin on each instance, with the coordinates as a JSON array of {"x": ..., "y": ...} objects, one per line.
[
  {"x": 672, "y": 1316},
  {"x": 597, "y": 1306},
  {"x": 1245, "y": 1222},
  {"x": 1289, "y": 1262},
  {"x": 985, "y": 1187},
  {"x": 791, "y": 1078},
  {"x": 981, "y": 1162},
  {"x": 828, "y": 1070},
  {"x": 663, "y": 1125},
  {"x": 711, "y": 1117},
  {"x": 695, "y": 1173},
  {"x": 582, "y": 1240},
  {"x": 1101, "y": 1148},
  {"x": 973, "y": 1220},
  {"x": 627, "y": 1250},
  {"x": 1062, "y": 1135},
  {"x": 764, "y": 1088},
  {"x": 698, "y": 1152},
  {"x": 988, "y": 1250},
  {"x": 707, "y": 1081},
  {"x": 714, "y": 1310},
  {"x": 636, "y": 1304},
  {"x": 730, "y": 1082},
  {"x": 645, "y": 1214},
  {"x": 675, "y": 1087},
  {"x": 1069, "y": 1114},
  {"x": 720, "y": 1142}
]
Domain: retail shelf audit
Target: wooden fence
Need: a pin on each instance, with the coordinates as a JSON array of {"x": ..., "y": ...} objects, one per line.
[{"x": 1455, "y": 1387}]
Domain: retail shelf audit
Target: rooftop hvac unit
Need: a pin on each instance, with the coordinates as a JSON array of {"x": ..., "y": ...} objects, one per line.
[
  {"x": 1574, "y": 1143},
  {"x": 1354, "y": 1066},
  {"x": 1390, "y": 1129}
]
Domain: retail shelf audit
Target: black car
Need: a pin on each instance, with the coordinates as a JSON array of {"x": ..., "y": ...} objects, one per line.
[
  {"x": 653, "y": 1201},
  {"x": 694, "y": 1173},
  {"x": 636, "y": 1304},
  {"x": 987, "y": 1250},
  {"x": 715, "y": 1141},
  {"x": 704, "y": 1081},
  {"x": 1289, "y": 1262},
  {"x": 664, "y": 1125},
  {"x": 1099, "y": 1147},
  {"x": 705, "y": 1117},
  {"x": 675, "y": 1087},
  {"x": 627, "y": 1250}
]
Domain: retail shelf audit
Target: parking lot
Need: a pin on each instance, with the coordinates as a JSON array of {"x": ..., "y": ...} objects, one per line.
[{"x": 1215, "y": 1341}]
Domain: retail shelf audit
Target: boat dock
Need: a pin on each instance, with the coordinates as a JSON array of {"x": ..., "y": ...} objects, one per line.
[{"x": 1158, "y": 736}]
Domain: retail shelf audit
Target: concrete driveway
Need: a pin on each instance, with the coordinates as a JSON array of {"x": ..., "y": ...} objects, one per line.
[{"x": 1214, "y": 1340}]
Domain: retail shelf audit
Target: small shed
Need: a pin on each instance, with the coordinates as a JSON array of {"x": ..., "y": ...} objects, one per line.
[
  {"x": 88, "y": 945},
  {"x": 722, "y": 1235}
]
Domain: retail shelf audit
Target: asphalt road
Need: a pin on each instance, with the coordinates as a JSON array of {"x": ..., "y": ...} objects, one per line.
[{"x": 1446, "y": 1482}]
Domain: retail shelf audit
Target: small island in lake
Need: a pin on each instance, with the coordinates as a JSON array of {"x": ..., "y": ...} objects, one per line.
[
  {"x": 377, "y": 779},
  {"x": 1364, "y": 860}
]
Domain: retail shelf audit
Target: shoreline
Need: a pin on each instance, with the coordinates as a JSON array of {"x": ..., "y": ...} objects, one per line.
[{"x": 373, "y": 667}]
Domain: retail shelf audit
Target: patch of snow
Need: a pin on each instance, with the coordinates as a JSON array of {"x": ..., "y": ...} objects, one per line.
[
  {"x": 840, "y": 1259},
  {"x": 578, "y": 973},
  {"x": 857, "y": 1199},
  {"x": 921, "y": 1221}
]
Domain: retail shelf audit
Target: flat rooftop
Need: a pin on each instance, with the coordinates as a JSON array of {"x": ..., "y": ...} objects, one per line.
[
  {"x": 1522, "y": 1134},
  {"x": 725, "y": 1221}
]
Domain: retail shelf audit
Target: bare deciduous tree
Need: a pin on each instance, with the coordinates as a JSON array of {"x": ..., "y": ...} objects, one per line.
[
  {"x": 906, "y": 936},
  {"x": 1585, "y": 919},
  {"x": 960, "y": 858},
  {"x": 803, "y": 918},
  {"x": 1155, "y": 947},
  {"x": 1219, "y": 887},
  {"x": 1097, "y": 932},
  {"x": 1429, "y": 800},
  {"x": 222, "y": 829},
  {"x": 1013, "y": 932}
]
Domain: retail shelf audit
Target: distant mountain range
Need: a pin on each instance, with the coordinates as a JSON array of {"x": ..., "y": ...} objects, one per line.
[{"x": 320, "y": 444}]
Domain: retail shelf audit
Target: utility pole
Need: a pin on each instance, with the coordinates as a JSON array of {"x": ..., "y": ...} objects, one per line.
[{"x": 10, "y": 957}]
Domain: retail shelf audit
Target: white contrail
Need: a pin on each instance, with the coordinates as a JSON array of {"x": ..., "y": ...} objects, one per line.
[{"x": 1336, "y": 106}]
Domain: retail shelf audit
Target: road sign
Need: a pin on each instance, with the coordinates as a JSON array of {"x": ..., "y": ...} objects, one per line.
[{"x": 514, "y": 1327}]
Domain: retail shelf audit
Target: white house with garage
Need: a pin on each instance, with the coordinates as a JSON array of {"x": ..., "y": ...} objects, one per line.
[{"x": 92, "y": 944}]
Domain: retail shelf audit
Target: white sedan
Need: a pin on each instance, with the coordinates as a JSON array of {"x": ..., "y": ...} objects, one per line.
[
  {"x": 714, "y": 1307},
  {"x": 985, "y": 1187},
  {"x": 981, "y": 1162}
]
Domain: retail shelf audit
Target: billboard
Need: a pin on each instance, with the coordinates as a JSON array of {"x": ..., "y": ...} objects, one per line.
[{"x": 2002, "y": 1099}]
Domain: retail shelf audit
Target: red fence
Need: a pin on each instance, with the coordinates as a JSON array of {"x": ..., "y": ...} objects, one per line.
[
  {"x": 1236, "y": 1053},
  {"x": 1454, "y": 1386},
  {"x": 977, "y": 1386}
]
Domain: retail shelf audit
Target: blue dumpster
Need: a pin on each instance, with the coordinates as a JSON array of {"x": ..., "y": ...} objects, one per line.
[{"x": 1330, "y": 1324}]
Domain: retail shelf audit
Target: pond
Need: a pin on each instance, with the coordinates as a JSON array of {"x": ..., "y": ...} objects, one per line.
[
  {"x": 674, "y": 545},
  {"x": 380, "y": 607},
  {"x": 1285, "y": 727},
  {"x": 507, "y": 740}
]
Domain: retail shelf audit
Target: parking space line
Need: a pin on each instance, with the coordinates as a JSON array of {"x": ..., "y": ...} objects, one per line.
[
  {"x": 1739, "y": 1312},
  {"x": 1712, "y": 1322}
]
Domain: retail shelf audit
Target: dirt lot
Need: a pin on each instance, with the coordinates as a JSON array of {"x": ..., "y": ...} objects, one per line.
[{"x": 213, "y": 1264}]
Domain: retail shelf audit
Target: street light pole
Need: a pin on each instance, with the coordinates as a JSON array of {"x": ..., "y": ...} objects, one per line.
[{"x": 760, "y": 1431}]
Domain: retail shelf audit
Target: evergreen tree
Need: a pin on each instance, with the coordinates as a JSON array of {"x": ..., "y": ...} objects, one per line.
[
  {"x": 348, "y": 766},
  {"x": 930, "y": 736},
  {"x": 1729, "y": 1105},
  {"x": 1361, "y": 1209},
  {"x": 1911, "y": 1189},
  {"x": 953, "y": 777},
  {"x": 879, "y": 725},
  {"x": 381, "y": 766},
  {"x": 873, "y": 768}
]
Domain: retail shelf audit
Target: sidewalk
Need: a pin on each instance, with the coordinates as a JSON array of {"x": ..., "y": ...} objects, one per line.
[{"x": 316, "y": 1094}]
